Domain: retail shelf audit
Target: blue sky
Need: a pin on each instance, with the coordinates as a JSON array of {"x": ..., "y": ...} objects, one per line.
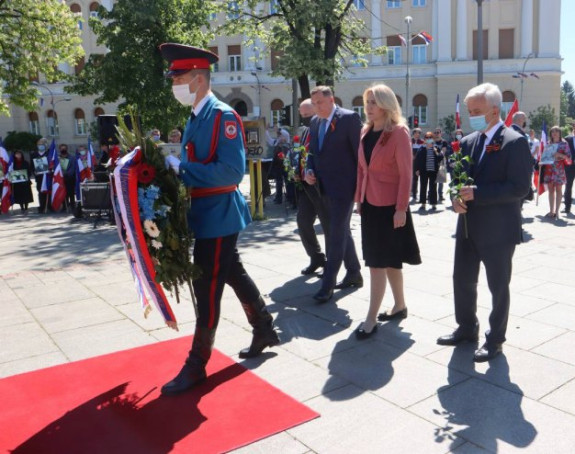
[{"x": 568, "y": 41}]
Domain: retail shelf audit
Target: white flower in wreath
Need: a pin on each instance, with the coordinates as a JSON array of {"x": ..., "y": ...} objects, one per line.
[
  {"x": 151, "y": 229},
  {"x": 156, "y": 244}
]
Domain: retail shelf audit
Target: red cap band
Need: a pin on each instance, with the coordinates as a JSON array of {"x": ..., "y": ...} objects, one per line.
[{"x": 189, "y": 64}]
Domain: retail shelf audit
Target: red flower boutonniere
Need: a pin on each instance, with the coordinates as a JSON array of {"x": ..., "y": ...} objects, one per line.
[
  {"x": 455, "y": 146},
  {"x": 494, "y": 146}
]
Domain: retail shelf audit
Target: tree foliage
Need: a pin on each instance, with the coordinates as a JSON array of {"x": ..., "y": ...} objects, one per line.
[
  {"x": 20, "y": 140},
  {"x": 314, "y": 39},
  {"x": 542, "y": 113},
  {"x": 448, "y": 124},
  {"x": 132, "y": 70},
  {"x": 567, "y": 102},
  {"x": 35, "y": 36}
]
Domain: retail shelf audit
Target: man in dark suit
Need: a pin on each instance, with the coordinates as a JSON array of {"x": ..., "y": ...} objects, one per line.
[
  {"x": 570, "y": 171},
  {"x": 332, "y": 163},
  {"x": 489, "y": 225}
]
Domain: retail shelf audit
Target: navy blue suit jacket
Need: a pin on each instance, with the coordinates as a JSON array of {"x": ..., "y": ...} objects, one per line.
[
  {"x": 335, "y": 164},
  {"x": 503, "y": 178}
]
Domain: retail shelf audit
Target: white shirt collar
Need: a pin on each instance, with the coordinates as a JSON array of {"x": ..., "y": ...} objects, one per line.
[
  {"x": 196, "y": 110},
  {"x": 491, "y": 131}
]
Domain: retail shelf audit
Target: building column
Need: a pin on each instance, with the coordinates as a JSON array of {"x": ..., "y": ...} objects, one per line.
[
  {"x": 461, "y": 27},
  {"x": 549, "y": 27},
  {"x": 443, "y": 31},
  {"x": 526, "y": 28},
  {"x": 434, "y": 30},
  {"x": 376, "y": 31}
]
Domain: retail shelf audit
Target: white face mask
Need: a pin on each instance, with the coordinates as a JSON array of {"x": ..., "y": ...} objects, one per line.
[{"x": 183, "y": 95}]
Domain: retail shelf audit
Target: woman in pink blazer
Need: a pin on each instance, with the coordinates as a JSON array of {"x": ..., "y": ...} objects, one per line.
[{"x": 384, "y": 176}]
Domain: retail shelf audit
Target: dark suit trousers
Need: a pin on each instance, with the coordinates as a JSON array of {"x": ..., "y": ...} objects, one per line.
[
  {"x": 570, "y": 174},
  {"x": 310, "y": 205},
  {"x": 340, "y": 246},
  {"x": 497, "y": 260}
]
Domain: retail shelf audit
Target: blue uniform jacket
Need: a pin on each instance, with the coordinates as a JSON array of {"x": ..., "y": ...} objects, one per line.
[{"x": 222, "y": 214}]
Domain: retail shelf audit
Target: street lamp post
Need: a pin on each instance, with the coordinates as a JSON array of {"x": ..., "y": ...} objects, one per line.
[
  {"x": 522, "y": 76},
  {"x": 53, "y": 104},
  {"x": 255, "y": 74},
  {"x": 479, "y": 42},
  {"x": 408, "y": 20}
]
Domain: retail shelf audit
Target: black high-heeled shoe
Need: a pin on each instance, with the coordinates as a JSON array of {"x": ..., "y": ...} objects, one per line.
[
  {"x": 399, "y": 315},
  {"x": 362, "y": 334}
]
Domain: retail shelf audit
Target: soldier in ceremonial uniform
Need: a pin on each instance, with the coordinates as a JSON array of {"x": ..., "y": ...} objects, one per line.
[{"x": 212, "y": 165}]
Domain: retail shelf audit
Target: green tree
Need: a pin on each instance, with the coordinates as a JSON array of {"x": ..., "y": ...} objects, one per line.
[
  {"x": 20, "y": 140},
  {"x": 311, "y": 39},
  {"x": 35, "y": 36},
  {"x": 542, "y": 113},
  {"x": 448, "y": 124},
  {"x": 569, "y": 92},
  {"x": 132, "y": 71}
]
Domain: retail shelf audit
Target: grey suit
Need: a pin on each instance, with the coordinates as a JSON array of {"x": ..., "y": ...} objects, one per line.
[{"x": 502, "y": 178}]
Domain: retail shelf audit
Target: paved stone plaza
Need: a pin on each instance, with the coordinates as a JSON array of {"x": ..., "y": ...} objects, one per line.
[{"x": 66, "y": 294}]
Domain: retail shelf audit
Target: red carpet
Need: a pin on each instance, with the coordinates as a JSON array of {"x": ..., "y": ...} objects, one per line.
[{"x": 112, "y": 404}]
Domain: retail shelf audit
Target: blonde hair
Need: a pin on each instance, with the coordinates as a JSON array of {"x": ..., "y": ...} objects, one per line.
[{"x": 385, "y": 99}]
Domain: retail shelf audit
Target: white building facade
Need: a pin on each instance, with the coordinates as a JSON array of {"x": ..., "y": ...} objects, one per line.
[{"x": 520, "y": 54}]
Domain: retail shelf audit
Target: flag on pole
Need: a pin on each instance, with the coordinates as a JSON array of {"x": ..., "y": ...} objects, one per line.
[
  {"x": 402, "y": 39},
  {"x": 58, "y": 188},
  {"x": 6, "y": 165},
  {"x": 425, "y": 37},
  {"x": 47, "y": 177},
  {"x": 457, "y": 117},
  {"x": 514, "y": 108}
]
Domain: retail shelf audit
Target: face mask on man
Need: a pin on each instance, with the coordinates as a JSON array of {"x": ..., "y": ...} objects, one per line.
[
  {"x": 183, "y": 95},
  {"x": 63, "y": 152},
  {"x": 306, "y": 121},
  {"x": 82, "y": 152},
  {"x": 478, "y": 123},
  {"x": 156, "y": 138},
  {"x": 41, "y": 148}
]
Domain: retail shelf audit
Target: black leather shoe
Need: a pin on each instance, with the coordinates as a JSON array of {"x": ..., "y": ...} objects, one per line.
[
  {"x": 268, "y": 338},
  {"x": 487, "y": 352},
  {"x": 458, "y": 336},
  {"x": 362, "y": 334},
  {"x": 323, "y": 296},
  {"x": 313, "y": 266},
  {"x": 385, "y": 316},
  {"x": 350, "y": 281},
  {"x": 190, "y": 376}
]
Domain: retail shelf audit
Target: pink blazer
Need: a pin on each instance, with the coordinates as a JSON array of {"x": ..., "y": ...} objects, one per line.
[{"x": 387, "y": 179}]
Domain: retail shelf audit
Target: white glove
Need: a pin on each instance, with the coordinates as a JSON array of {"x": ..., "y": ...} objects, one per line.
[{"x": 173, "y": 162}]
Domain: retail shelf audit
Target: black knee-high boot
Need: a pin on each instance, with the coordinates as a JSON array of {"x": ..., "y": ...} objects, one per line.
[
  {"x": 194, "y": 370},
  {"x": 263, "y": 331}
]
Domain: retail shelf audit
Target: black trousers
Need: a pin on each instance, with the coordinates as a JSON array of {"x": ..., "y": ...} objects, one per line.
[
  {"x": 414, "y": 180},
  {"x": 43, "y": 199},
  {"x": 310, "y": 206},
  {"x": 427, "y": 178},
  {"x": 220, "y": 263},
  {"x": 497, "y": 260},
  {"x": 568, "y": 196}
]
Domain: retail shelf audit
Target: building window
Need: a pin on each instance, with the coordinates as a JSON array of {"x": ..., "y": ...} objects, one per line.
[
  {"x": 359, "y": 4},
  {"x": 485, "y": 35},
  {"x": 275, "y": 57},
  {"x": 418, "y": 3},
  {"x": 506, "y": 42},
  {"x": 233, "y": 10},
  {"x": 98, "y": 111},
  {"x": 357, "y": 106},
  {"x": 419, "y": 54},
  {"x": 393, "y": 4},
  {"x": 79, "y": 65},
  {"x": 276, "y": 110},
  {"x": 52, "y": 124},
  {"x": 420, "y": 108},
  {"x": 33, "y": 123},
  {"x": 80, "y": 123},
  {"x": 77, "y": 10},
  {"x": 273, "y": 6},
  {"x": 508, "y": 100},
  {"x": 394, "y": 55},
  {"x": 94, "y": 9},
  {"x": 235, "y": 58},
  {"x": 216, "y": 65},
  {"x": 240, "y": 107}
]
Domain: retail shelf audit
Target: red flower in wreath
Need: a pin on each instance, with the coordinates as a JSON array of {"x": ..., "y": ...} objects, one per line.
[
  {"x": 455, "y": 146},
  {"x": 281, "y": 155},
  {"x": 146, "y": 173}
]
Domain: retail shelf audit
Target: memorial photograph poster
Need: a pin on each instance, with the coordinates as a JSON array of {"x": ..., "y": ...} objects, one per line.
[
  {"x": 548, "y": 156},
  {"x": 19, "y": 176},
  {"x": 41, "y": 165}
]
